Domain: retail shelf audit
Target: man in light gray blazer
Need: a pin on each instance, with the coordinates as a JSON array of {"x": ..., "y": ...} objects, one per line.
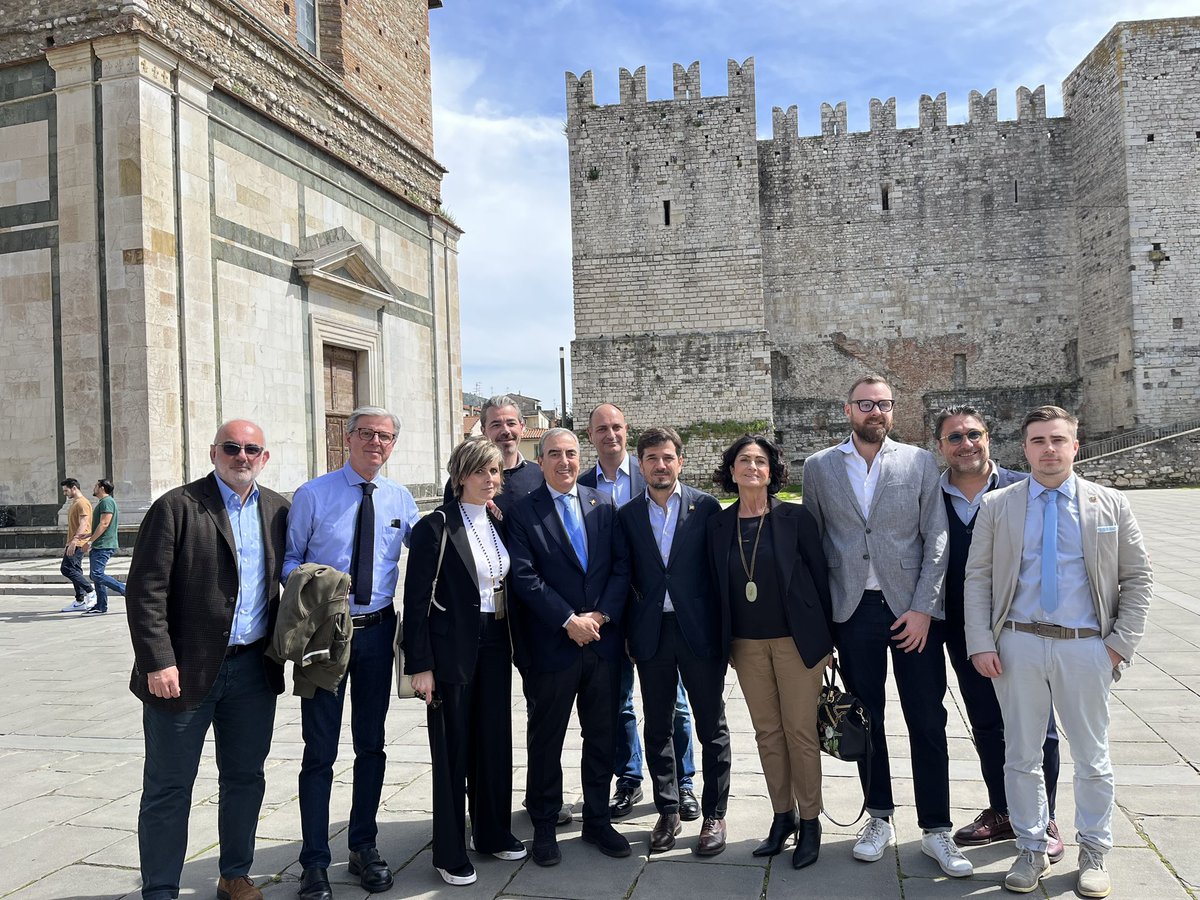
[
  {"x": 879, "y": 506},
  {"x": 1057, "y": 589}
]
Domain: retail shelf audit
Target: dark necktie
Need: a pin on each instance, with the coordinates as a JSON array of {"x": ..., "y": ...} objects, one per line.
[{"x": 362, "y": 560}]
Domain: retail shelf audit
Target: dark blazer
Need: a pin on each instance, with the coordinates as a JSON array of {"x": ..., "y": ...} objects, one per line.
[
  {"x": 686, "y": 574},
  {"x": 800, "y": 567},
  {"x": 444, "y": 641},
  {"x": 183, "y": 585},
  {"x": 549, "y": 584},
  {"x": 637, "y": 484}
]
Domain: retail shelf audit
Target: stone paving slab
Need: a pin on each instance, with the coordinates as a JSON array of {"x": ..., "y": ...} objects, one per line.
[{"x": 71, "y": 752}]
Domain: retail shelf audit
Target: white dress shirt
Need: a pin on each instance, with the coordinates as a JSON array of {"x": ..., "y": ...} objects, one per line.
[{"x": 863, "y": 480}]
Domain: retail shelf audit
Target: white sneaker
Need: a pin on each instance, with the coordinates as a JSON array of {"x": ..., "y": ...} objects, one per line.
[
  {"x": 89, "y": 600},
  {"x": 876, "y": 836},
  {"x": 465, "y": 875},
  {"x": 516, "y": 851},
  {"x": 939, "y": 845},
  {"x": 77, "y": 606}
]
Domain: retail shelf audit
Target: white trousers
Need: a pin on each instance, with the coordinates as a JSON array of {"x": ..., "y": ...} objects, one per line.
[{"x": 1076, "y": 676}]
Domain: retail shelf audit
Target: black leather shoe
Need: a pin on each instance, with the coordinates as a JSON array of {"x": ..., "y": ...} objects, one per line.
[
  {"x": 623, "y": 801},
  {"x": 689, "y": 806},
  {"x": 808, "y": 843},
  {"x": 545, "y": 846},
  {"x": 662, "y": 838},
  {"x": 373, "y": 873},
  {"x": 314, "y": 885},
  {"x": 610, "y": 841},
  {"x": 782, "y": 826}
]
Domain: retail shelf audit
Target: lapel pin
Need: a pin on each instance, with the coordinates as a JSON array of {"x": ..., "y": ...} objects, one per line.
[
  {"x": 691, "y": 507},
  {"x": 593, "y": 501}
]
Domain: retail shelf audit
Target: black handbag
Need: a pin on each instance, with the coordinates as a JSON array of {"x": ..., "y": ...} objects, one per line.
[{"x": 844, "y": 729}]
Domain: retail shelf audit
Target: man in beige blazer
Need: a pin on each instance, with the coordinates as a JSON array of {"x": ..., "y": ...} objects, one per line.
[{"x": 1058, "y": 584}]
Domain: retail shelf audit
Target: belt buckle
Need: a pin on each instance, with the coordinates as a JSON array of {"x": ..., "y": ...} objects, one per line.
[{"x": 1046, "y": 629}]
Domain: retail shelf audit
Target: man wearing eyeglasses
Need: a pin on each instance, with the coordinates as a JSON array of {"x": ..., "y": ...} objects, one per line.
[
  {"x": 202, "y": 598},
  {"x": 883, "y": 524},
  {"x": 356, "y": 521},
  {"x": 970, "y": 474}
]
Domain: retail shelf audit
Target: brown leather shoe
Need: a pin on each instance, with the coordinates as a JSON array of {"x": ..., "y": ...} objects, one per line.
[
  {"x": 237, "y": 889},
  {"x": 712, "y": 837},
  {"x": 1054, "y": 845},
  {"x": 989, "y": 826},
  {"x": 662, "y": 838}
]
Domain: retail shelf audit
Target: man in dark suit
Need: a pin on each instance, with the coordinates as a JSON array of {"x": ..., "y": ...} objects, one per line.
[
  {"x": 673, "y": 626},
  {"x": 618, "y": 474},
  {"x": 202, "y": 597},
  {"x": 570, "y": 577}
]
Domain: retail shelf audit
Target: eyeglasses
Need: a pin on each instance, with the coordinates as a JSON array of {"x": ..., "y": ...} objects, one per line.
[
  {"x": 955, "y": 438},
  {"x": 867, "y": 405},
  {"x": 233, "y": 448},
  {"x": 366, "y": 435}
]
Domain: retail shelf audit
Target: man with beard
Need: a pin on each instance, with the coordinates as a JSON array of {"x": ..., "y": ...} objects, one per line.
[
  {"x": 962, "y": 441},
  {"x": 202, "y": 598},
  {"x": 503, "y": 424},
  {"x": 883, "y": 525}
]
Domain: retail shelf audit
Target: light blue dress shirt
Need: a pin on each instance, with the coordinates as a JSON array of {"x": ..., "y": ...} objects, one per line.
[
  {"x": 250, "y": 615},
  {"x": 965, "y": 508},
  {"x": 1075, "y": 609},
  {"x": 321, "y": 529},
  {"x": 620, "y": 487},
  {"x": 663, "y": 523}
]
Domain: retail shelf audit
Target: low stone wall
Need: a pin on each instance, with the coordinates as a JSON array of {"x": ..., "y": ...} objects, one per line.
[{"x": 1171, "y": 463}]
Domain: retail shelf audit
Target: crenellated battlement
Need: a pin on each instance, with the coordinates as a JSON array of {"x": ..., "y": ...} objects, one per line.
[
  {"x": 981, "y": 110},
  {"x": 581, "y": 94}
]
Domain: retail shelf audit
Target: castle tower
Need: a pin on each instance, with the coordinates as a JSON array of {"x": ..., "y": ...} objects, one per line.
[{"x": 669, "y": 316}]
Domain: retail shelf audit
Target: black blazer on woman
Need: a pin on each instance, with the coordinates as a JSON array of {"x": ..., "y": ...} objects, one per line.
[
  {"x": 444, "y": 641},
  {"x": 799, "y": 567}
]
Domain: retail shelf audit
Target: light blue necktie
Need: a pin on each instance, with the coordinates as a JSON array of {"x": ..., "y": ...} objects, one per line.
[
  {"x": 574, "y": 525},
  {"x": 1050, "y": 552}
]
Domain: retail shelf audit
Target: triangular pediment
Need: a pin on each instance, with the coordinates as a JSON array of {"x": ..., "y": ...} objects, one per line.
[{"x": 339, "y": 264}]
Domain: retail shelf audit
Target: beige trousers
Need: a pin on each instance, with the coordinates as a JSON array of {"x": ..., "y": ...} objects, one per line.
[{"x": 781, "y": 694}]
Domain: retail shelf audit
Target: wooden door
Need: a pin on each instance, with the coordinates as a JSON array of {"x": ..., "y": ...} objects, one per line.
[{"x": 341, "y": 396}]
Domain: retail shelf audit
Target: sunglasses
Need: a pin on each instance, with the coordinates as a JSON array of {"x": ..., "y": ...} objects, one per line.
[
  {"x": 233, "y": 448},
  {"x": 867, "y": 405},
  {"x": 955, "y": 438}
]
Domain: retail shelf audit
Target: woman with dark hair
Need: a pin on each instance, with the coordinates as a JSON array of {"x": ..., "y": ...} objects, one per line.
[
  {"x": 770, "y": 569},
  {"x": 458, "y": 651}
]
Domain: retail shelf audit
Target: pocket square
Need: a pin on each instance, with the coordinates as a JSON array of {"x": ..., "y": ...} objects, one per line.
[{"x": 1106, "y": 529}]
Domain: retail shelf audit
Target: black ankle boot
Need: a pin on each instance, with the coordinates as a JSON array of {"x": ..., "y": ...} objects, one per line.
[
  {"x": 782, "y": 826},
  {"x": 808, "y": 843}
]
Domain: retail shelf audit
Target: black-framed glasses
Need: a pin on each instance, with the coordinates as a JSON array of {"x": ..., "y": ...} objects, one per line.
[
  {"x": 955, "y": 438},
  {"x": 233, "y": 448},
  {"x": 866, "y": 406},
  {"x": 366, "y": 435}
]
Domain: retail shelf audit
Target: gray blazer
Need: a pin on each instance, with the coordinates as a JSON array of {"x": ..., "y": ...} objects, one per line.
[
  {"x": 1118, "y": 567},
  {"x": 905, "y": 535}
]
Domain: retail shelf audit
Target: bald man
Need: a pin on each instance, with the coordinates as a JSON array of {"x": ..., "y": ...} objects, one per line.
[{"x": 202, "y": 598}]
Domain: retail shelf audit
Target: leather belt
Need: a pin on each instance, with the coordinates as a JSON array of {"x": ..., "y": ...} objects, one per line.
[
  {"x": 366, "y": 620},
  {"x": 235, "y": 649},
  {"x": 1046, "y": 630}
]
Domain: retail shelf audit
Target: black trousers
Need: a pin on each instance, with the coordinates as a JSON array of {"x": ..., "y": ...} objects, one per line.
[
  {"x": 987, "y": 724},
  {"x": 590, "y": 683},
  {"x": 863, "y": 642},
  {"x": 470, "y": 744},
  {"x": 704, "y": 681}
]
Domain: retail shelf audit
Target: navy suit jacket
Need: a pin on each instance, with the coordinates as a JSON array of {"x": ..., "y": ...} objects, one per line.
[
  {"x": 549, "y": 584},
  {"x": 637, "y": 484},
  {"x": 685, "y": 574}
]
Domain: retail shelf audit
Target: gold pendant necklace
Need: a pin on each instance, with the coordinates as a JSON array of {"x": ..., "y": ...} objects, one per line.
[{"x": 748, "y": 568}]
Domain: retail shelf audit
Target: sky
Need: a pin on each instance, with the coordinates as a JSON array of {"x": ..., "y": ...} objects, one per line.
[{"x": 500, "y": 110}]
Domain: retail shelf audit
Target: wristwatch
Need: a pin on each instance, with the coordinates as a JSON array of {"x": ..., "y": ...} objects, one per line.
[{"x": 605, "y": 618}]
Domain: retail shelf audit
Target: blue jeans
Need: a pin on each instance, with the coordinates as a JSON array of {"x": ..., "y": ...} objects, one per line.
[
  {"x": 72, "y": 570},
  {"x": 98, "y": 558},
  {"x": 240, "y": 706},
  {"x": 370, "y": 678},
  {"x": 628, "y": 759}
]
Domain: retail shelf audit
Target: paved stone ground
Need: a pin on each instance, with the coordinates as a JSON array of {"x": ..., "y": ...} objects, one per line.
[{"x": 70, "y": 763}]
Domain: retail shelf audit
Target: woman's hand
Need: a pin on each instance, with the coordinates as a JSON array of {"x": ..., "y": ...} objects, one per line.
[{"x": 424, "y": 686}]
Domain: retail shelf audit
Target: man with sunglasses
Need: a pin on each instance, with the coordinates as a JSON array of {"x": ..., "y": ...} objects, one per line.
[
  {"x": 883, "y": 524},
  {"x": 962, "y": 442},
  {"x": 202, "y": 598},
  {"x": 356, "y": 521}
]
